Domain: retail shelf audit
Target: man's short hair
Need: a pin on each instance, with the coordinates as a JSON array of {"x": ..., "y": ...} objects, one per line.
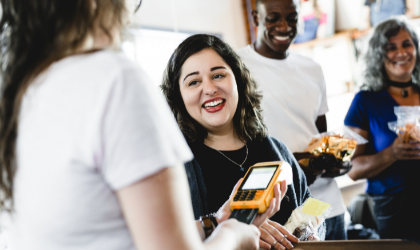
[{"x": 262, "y": 1}]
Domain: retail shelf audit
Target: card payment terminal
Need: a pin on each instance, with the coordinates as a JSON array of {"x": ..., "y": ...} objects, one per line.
[{"x": 256, "y": 190}]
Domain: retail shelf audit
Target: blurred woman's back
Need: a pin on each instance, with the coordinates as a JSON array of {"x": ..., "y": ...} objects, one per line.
[
  {"x": 60, "y": 196},
  {"x": 72, "y": 128}
]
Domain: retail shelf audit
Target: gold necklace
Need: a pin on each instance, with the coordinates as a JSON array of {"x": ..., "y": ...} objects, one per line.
[{"x": 240, "y": 165}]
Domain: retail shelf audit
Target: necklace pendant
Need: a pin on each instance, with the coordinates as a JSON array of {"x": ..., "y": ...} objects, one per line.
[
  {"x": 239, "y": 165},
  {"x": 404, "y": 93}
]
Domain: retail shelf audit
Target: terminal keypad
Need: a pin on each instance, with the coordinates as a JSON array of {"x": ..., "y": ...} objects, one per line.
[{"x": 248, "y": 195}]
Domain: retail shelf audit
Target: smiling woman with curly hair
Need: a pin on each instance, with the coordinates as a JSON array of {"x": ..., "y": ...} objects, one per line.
[{"x": 216, "y": 104}]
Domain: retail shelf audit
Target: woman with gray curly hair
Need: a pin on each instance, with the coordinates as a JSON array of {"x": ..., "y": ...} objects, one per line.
[{"x": 392, "y": 78}]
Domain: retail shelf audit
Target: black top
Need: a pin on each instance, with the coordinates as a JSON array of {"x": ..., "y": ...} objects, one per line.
[
  {"x": 212, "y": 177},
  {"x": 220, "y": 174}
]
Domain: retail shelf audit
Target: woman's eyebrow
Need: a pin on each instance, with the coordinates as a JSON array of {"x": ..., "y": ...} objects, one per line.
[
  {"x": 216, "y": 68},
  {"x": 190, "y": 74}
]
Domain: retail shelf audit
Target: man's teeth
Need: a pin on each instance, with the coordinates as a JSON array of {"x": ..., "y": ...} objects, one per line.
[
  {"x": 281, "y": 38},
  {"x": 213, "y": 104}
]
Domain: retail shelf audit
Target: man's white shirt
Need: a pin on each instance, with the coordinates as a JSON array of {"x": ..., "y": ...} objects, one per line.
[{"x": 294, "y": 95}]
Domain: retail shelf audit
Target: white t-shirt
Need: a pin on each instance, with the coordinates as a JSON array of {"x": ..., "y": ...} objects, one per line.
[
  {"x": 89, "y": 125},
  {"x": 294, "y": 95}
]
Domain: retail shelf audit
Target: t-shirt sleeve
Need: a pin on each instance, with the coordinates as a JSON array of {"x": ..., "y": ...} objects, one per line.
[
  {"x": 139, "y": 135},
  {"x": 367, "y": 2},
  {"x": 323, "y": 109},
  {"x": 357, "y": 114}
]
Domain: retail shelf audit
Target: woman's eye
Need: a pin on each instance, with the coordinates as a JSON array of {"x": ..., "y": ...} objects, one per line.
[
  {"x": 218, "y": 76},
  {"x": 407, "y": 45},
  {"x": 192, "y": 83},
  {"x": 390, "y": 48}
]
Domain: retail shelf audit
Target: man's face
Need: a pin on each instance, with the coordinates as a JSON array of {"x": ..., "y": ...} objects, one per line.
[{"x": 277, "y": 24}]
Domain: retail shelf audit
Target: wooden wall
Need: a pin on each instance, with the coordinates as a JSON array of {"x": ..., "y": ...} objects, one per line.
[{"x": 247, "y": 7}]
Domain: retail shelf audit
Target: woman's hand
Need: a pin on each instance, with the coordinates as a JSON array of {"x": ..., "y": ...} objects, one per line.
[
  {"x": 279, "y": 192},
  {"x": 224, "y": 211},
  {"x": 275, "y": 235},
  {"x": 405, "y": 151},
  {"x": 245, "y": 235}
]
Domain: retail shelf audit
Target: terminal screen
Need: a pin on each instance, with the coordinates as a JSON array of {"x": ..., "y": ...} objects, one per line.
[{"x": 259, "y": 178}]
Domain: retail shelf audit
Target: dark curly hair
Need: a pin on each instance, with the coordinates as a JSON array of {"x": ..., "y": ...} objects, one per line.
[
  {"x": 248, "y": 122},
  {"x": 375, "y": 74}
]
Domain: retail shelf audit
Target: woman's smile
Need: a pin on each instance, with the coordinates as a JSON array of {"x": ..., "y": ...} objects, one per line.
[{"x": 214, "y": 105}]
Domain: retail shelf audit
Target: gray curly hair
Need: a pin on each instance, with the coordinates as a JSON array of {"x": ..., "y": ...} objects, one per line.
[{"x": 375, "y": 74}]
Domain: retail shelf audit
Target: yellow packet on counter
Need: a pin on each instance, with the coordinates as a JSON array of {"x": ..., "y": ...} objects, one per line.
[
  {"x": 306, "y": 218},
  {"x": 315, "y": 207}
]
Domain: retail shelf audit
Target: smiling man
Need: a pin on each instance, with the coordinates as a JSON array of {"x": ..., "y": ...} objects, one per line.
[{"x": 294, "y": 95}]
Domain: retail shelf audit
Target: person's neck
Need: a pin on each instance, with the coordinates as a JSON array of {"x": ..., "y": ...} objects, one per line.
[
  {"x": 395, "y": 85},
  {"x": 262, "y": 49},
  {"x": 100, "y": 41},
  {"x": 226, "y": 141},
  {"x": 395, "y": 91},
  {"x": 402, "y": 79}
]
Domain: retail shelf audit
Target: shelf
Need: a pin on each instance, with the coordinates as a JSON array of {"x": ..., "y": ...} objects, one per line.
[{"x": 326, "y": 42}]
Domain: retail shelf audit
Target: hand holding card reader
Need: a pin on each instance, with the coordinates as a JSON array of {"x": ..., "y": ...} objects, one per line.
[{"x": 256, "y": 190}]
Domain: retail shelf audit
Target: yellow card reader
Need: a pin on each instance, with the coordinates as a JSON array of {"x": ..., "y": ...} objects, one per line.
[{"x": 256, "y": 190}]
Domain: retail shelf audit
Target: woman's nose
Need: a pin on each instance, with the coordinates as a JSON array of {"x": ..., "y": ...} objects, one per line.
[
  {"x": 209, "y": 88},
  {"x": 401, "y": 51}
]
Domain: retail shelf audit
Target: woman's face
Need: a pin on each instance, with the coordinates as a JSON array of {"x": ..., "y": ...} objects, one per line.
[
  {"x": 208, "y": 89},
  {"x": 401, "y": 57}
]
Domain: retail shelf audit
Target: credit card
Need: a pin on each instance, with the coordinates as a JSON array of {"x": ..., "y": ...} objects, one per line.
[{"x": 244, "y": 215}]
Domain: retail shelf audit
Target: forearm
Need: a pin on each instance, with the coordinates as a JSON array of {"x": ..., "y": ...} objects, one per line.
[
  {"x": 368, "y": 166},
  {"x": 410, "y": 8},
  {"x": 321, "y": 123}
]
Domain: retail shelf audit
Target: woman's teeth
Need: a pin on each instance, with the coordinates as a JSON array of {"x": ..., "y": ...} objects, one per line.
[
  {"x": 281, "y": 38},
  {"x": 401, "y": 62},
  {"x": 213, "y": 104}
]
